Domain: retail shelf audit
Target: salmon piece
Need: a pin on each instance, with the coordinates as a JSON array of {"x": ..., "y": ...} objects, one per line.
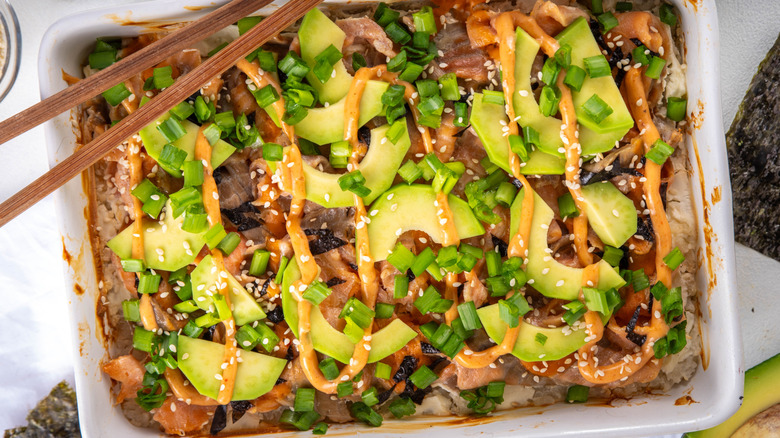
[
  {"x": 128, "y": 371},
  {"x": 179, "y": 418},
  {"x": 553, "y": 18}
]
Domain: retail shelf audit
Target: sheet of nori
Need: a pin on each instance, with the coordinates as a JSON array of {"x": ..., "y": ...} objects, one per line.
[
  {"x": 55, "y": 416},
  {"x": 754, "y": 159}
]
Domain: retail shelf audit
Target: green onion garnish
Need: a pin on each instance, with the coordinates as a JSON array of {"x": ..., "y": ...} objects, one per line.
[
  {"x": 397, "y": 33},
  {"x": 410, "y": 172},
  {"x": 676, "y": 108},
  {"x": 655, "y": 68},
  {"x": 423, "y": 377},
  {"x": 316, "y": 292},
  {"x": 162, "y": 77},
  {"x": 566, "y": 206},
  {"x": 171, "y": 129},
  {"x": 550, "y": 71},
  {"x": 229, "y": 243},
  {"x": 563, "y": 56},
  {"x": 320, "y": 429},
  {"x": 384, "y": 15},
  {"x": 667, "y": 15},
  {"x": 354, "y": 182},
  {"x": 329, "y": 368},
  {"x": 411, "y": 72},
  {"x": 540, "y": 338},
  {"x": 171, "y": 157},
  {"x": 596, "y": 300},
  {"x": 191, "y": 329},
  {"x": 549, "y": 99},
  {"x": 639, "y": 280},
  {"x": 358, "y": 312},
  {"x": 304, "y": 400},
  {"x": 422, "y": 260},
  {"x": 293, "y": 65},
  {"x": 324, "y": 62},
  {"x": 272, "y": 152},
  {"x": 266, "y": 96},
  {"x": 468, "y": 316},
  {"x": 259, "y": 263},
  {"x": 131, "y": 310},
  {"x": 398, "y": 62},
  {"x": 461, "y": 114},
  {"x": 509, "y": 313},
  {"x": 116, "y": 94},
  {"x": 246, "y": 23},
  {"x": 369, "y": 397},
  {"x": 202, "y": 109},
  {"x": 431, "y": 301},
  {"x": 401, "y": 286},
  {"x": 402, "y": 407},
  {"x": 143, "y": 339},
  {"x": 384, "y": 310},
  {"x": 401, "y": 258},
  {"x": 214, "y": 235},
  {"x": 344, "y": 389},
  {"x": 188, "y": 306},
  {"x": 427, "y": 87},
  {"x": 596, "y": 109},
  {"x": 639, "y": 55},
  {"x": 659, "y": 152},
  {"x": 195, "y": 219},
  {"x": 608, "y": 21},
  {"x": 674, "y": 258},
  {"x": 424, "y": 20},
  {"x": 133, "y": 265},
  {"x": 247, "y": 338},
  {"x": 577, "y": 394},
  {"x": 494, "y": 97},
  {"x": 574, "y": 78},
  {"x": 449, "y": 86},
  {"x": 612, "y": 255},
  {"x": 300, "y": 420},
  {"x": 383, "y": 371},
  {"x": 358, "y": 61},
  {"x": 148, "y": 283},
  {"x": 597, "y": 66},
  {"x": 596, "y": 7}
]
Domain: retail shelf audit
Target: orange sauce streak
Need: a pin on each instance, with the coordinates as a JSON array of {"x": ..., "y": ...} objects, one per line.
[{"x": 211, "y": 204}]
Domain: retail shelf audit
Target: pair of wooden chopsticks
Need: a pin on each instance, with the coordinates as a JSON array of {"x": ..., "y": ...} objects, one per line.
[{"x": 146, "y": 58}]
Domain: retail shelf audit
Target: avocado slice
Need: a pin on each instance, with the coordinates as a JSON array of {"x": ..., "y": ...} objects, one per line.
[
  {"x": 325, "y": 125},
  {"x": 166, "y": 235},
  {"x": 612, "y": 129},
  {"x": 327, "y": 340},
  {"x": 758, "y": 396},
  {"x": 611, "y": 214},
  {"x": 486, "y": 119},
  {"x": 257, "y": 373},
  {"x": 540, "y": 262},
  {"x": 154, "y": 143},
  {"x": 204, "y": 277},
  {"x": 411, "y": 207},
  {"x": 316, "y": 34},
  {"x": 583, "y": 45},
  {"x": 557, "y": 346}
]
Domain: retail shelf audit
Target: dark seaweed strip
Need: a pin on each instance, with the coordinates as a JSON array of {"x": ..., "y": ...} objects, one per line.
[
  {"x": 279, "y": 381},
  {"x": 516, "y": 182},
  {"x": 595, "y": 29},
  {"x": 353, "y": 266},
  {"x": 384, "y": 395},
  {"x": 219, "y": 421},
  {"x": 615, "y": 57},
  {"x": 276, "y": 316},
  {"x": 644, "y": 228},
  {"x": 415, "y": 394},
  {"x": 264, "y": 288},
  {"x": 335, "y": 281},
  {"x": 219, "y": 173},
  {"x": 407, "y": 367},
  {"x": 290, "y": 355},
  {"x": 208, "y": 334},
  {"x": 615, "y": 169},
  {"x": 239, "y": 408},
  {"x": 630, "y": 335},
  {"x": 364, "y": 135},
  {"x": 502, "y": 246},
  {"x": 428, "y": 348},
  {"x": 325, "y": 241},
  {"x": 461, "y": 132},
  {"x": 245, "y": 217}
]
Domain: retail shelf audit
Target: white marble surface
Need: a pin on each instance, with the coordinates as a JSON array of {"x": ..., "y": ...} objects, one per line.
[{"x": 35, "y": 344}]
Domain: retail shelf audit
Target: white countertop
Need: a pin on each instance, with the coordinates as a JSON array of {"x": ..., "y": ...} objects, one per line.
[{"x": 36, "y": 346}]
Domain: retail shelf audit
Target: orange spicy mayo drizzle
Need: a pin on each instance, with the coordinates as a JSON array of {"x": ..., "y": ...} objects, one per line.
[{"x": 211, "y": 204}]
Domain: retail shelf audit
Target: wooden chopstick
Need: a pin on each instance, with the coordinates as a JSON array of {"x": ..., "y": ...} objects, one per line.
[
  {"x": 141, "y": 60},
  {"x": 184, "y": 87}
]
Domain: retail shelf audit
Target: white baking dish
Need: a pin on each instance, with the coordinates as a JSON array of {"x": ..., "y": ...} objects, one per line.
[{"x": 716, "y": 389}]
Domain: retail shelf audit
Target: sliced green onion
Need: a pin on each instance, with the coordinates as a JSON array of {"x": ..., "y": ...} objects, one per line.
[
  {"x": 116, "y": 94},
  {"x": 423, "y": 377},
  {"x": 394, "y": 95},
  {"x": 398, "y": 62},
  {"x": 563, "y": 56},
  {"x": 171, "y": 157},
  {"x": 162, "y": 77},
  {"x": 411, "y": 72},
  {"x": 182, "y": 110},
  {"x": 597, "y": 109},
  {"x": 369, "y": 397},
  {"x": 384, "y": 310},
  {"x": 207, "y": 320},
  {"x": 188, "y": 306},
  {"x": 191, "y": 329},
  {"x": 320, "y": 429},
  {"x": 460, "y": 330},
  {"x": 447, "y": 256},
  {"x": 424, "y": 20},
  {"x": 493, "y": 263},
  {"x": 100, "y": 60},
  {"x": 566, "y": 206},
  {"x": 431, "y": 301},
  {"x": 293, "y": 65},
  {"x": 397, "y": 33},
  {"x": 339, "y": 154},
  {"x": 540, "y": 338},
  {"x": 461, "y": 114},
  {"x": 384, "y": 15},
  {"x": 324, "y": 62},
  {"x": 494, "y": 97},
  {"x": 358, "y": 312},
  {"x": 401, "y": 258},
  {"x": 639, "y": 280},
  {"x": 202, "y": 109},
  {"x": 267, "y": 61},
  {"x": 259, "y": 263},
  {"x": 246, "y": 23},
  {"x": 667, "y": 15},
  {"x": 171, "y": 129},
  {"x": 247, "y": 338},
  {"x": 268, "y": 339},
  {"x": 133, "y": 265},
  {"x": 422, "y": 261},
  {"x": 676, "y": 108},
  {"x": 517, "y": 145},
  {"x": 272, "y": 152},
  {"x": 266, "y": 96},
  {"x": 550, "y": 71},
  {"x": 659, "y": 152},
  {"x": 574, "y": 78},
  {"x": 304, "y": 400},
  {"x": 596, "y": 300},
  {"x": 608, "y": 21},
  {"x": 214, "y": 235},
  {"x": 549, "y": 99},
  {"x": 468, "y": 315},
  {"x": 674, "y": 258},
  {"x": 316, "y": 292},
  {"x": 402, "y": 407},
  {"x": 596, "y": 7},
  {"x": 365, "y": 414},
  {"x": 509, "y": 313},
  {"x": 195, "y": 219},
  {"x": 148, "y": 283},
  {"x": 131, "y": 310},
  {"x": 229, "y": 243},
  {"x": 655, "y": 68},
  {"x": 143, "y": 339},
  {"x": 427, "y": 87},
  {"x": 300, "y": 420},
  {"x": 576, "y": 310},
  {"x": 410, "y": 172},
  {"x": 612, "y": 255},
  {"x": 639, "y": 55},
  {"x": 358, "y": 61},
  {"x": 193, "y": 173},
  {"x": 354, "y": 182},
  {"x": 329, "y": 368},
  {"x": 466, "y": 262},
  {"x": 344, "y": 389},
  {"x": 597, "y": 66},
  {"x": 441, "y": 335},
  {"x": 577, "y": 394},
  {"x": 449, "y": 87},
  {"x": 401, "y": 286}
]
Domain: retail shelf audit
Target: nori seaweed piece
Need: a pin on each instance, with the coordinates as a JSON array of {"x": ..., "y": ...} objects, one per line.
[
  {"x": 754, "y": 162},
  {"x": 335, "y": 281},
  {"x": 614, "y": 170},
  {"x": 245, "y": 217},
  {"x": 384, "y": 395},
  {"x": 276, "y": 316},
  {"x": 630, "y": 335},
  {"x": 54, "y": 416},
  {"x": 364, "y": 134},
  {"x": 428, "y": 348},
  {"x": 503, "y": 247},
  {"x": 407, "y": 367},
  {"x": 219, "y": 421},
  {"x": 324, "y": 242},
  {"x": 239, "y": 408}
]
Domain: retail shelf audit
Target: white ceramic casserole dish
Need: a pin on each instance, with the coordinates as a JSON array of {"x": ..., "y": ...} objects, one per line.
[{"x": 716, "y": 388}]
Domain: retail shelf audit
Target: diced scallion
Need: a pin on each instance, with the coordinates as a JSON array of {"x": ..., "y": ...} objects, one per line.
[{"x": 659, "y": 152}]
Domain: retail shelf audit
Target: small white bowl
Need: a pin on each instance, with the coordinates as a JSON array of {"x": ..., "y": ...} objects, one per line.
[
  {"x": 716, "y": 389},
  {"x": 10, "y": 47}
]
